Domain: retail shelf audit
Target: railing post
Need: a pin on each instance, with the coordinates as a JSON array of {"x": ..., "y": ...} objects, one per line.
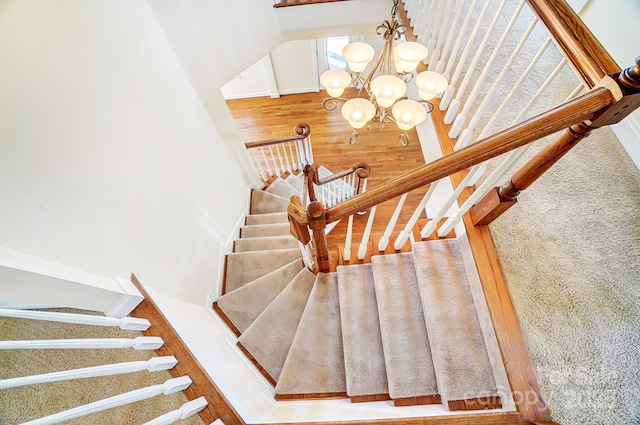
[
  {"x": 318, "y": 221},
  {"x": 626, "y": 84},
  {"x": 309, "y": 178}
]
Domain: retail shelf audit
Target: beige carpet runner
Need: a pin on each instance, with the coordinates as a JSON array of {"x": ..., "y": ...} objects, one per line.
[{"x": 403, "y": 328}]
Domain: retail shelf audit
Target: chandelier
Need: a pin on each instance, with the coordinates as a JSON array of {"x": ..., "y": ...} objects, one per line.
[{"x": 385, "y": 85}]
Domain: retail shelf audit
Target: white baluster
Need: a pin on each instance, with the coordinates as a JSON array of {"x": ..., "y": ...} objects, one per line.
[
  {"x": 488, "y": 128},
  {"x": 139, "y": 343},
  {"x": 384, "y": 241},
  {"x": 266, "y": 161},
  {"x": 444, "y": 29},
  {"x": 511, "y": 159},
  {"x": 479, "y": 80},
  {"x": 300, "y": 153},
  {"x": 294, "y": 163},
  {"x": 436, "y": 30},
  {"x": 283, "y": 168},
  {"x": 347, "y": 240},
  {"x": 407, "y": 231},
  {"x": 309, "y": 149},
  {"x": 453, "y": 30},
  {"x": 171, "y": 386},
  {"x": 286, "y": 159},
  {"x": 364, "y": 243},
  {"x": 153, "y": 365},
  {"x": 276, "y": 168},
  {"x": 431, "y": 226},
  {"x": 465, "y": 136},
  {"x": 448, "y": 94},
  {"x": 185, "y": 411},
  {"x": 257, "y": 161},
  {"x": 126, "y": 323},
  {"x": 307, "y": 258}
]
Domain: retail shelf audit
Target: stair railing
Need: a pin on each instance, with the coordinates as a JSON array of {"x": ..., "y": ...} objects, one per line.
[
  {"x": 154, "y": 364},
  {"x": 275, "y": 158},
  {"x": 589, "y": 107}
]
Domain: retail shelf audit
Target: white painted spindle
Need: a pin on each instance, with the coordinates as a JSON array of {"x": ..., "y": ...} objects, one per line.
[
  {"x": 139, "y": 343},
  {"x": 266, "y": 161},
  {"x": 479, "y": 80},
  {"x": 487, "y": 185},
  {"x": 185, "y": 411},
  {"x": 384, "y": 240},
  {"x": 126, "y": 323},
  {"x": 433, "y": 224},
  {"x": 364, "y": 243},
  {"x": 171, "y": 386},
  {"x": 294, "y": 163},
  {"x": 153, "y": 365},
  {"x": 470, "y": 72},
  {"x": 407, "y": 231},
  {"x": 347, "y": 240},
  {"x": 452, "y": 31},
  {"x": 444, "y": 25},
  {"x": 448, "y": 94}
]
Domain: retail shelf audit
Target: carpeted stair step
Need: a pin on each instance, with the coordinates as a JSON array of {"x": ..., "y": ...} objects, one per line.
[
  {"x": 269, "y": 218},
  {"x": 281, "y": 188},
  {"x": 243, "y": 267},
  {"x": 365, "y": 371},
  {"x": 296, "y": 180},
  {"x": 262, "y": 230},
  {"x": 463, "y": 369},
  {"x": 315, "y": 364},
  {"x": 267, "y": 341},
  {"x": 407, "y": 352},
  {"x": 265, "y": 243},
  {"x": 264, "y": 202},
  {"x": 240, "y": 308}
]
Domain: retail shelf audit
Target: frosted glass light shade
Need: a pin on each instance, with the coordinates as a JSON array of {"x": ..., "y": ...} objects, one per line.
[
  {"x": 408, "y": 55},
  {"x": 358, "y": 112},
  {"x": 358, "y": 55},
  {"x": 430, "y": 84},
  {"x": 387, "y": 89},
  {"x": 335, "y": 81},
  {"x": 408, "y": 113}
]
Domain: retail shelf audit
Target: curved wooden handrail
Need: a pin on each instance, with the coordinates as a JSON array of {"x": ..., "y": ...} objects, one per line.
[
  {"x": 556, "y": 119},
  {"x": 362, "y": 169},
  {"x": 589, "y": 59},
  {"x": 302, "y": 131}
]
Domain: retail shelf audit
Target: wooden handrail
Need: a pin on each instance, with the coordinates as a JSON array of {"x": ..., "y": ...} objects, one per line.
[
  {"x": 589, "y": 59},
  {"x": 302, "y": 131},
  {"x": 362, "y": 169},
  {"x": 542, "y": 125}
]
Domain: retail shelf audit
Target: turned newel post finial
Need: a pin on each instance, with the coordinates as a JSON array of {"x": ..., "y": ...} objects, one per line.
[{"x": 630, "y": 78}]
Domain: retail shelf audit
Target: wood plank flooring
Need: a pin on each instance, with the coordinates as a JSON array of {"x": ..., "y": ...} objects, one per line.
[{"x": 265, "y": 118}]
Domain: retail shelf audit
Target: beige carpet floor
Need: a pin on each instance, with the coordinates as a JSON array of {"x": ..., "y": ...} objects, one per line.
[{"x": 570, "y": 250}]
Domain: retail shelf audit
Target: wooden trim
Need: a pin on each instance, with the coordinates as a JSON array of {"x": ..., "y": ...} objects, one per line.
[
  {"x": 224, "y": 274},
  {"x": 218, "y": 406},
  {"x": 302, "y": 132},
  {"x": 503, "y": 418},
  {"x": 368, "y": 398},
  {"x": 481, "y": 403},
  {"x": 226, "y": 319},
  {"x": 418, "y": 401},
  {"x": 309, "y": 396},
  {"x": 589, "y": 59},
  {"x": 257, "y": 365},
  {"x": 544, "y": 124}
]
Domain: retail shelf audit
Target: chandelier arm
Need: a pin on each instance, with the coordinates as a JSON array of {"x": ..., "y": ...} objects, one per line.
[
  {"x": 404, "y": 136},
  {"x": 332, "y": 103}
]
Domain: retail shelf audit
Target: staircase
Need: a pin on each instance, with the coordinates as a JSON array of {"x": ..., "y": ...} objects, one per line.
[{"x": 403, "y": 328}]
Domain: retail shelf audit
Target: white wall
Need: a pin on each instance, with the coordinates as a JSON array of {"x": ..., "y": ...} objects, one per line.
[
  {"x": 295, "y": 66},
  {"x": 215, "y": 41},
  {"x": 109, "y": 162},
  {"x": 615, "y": 23}
]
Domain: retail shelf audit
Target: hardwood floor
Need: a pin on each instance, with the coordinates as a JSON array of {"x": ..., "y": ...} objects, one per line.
[{"x": 264, "y": 118}]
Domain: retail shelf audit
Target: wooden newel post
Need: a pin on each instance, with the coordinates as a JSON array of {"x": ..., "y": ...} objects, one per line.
[
  {"x": 626, "y": 87},
  {"x": 310, "y": 178},
  {"x": 317, "y": 223}
]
